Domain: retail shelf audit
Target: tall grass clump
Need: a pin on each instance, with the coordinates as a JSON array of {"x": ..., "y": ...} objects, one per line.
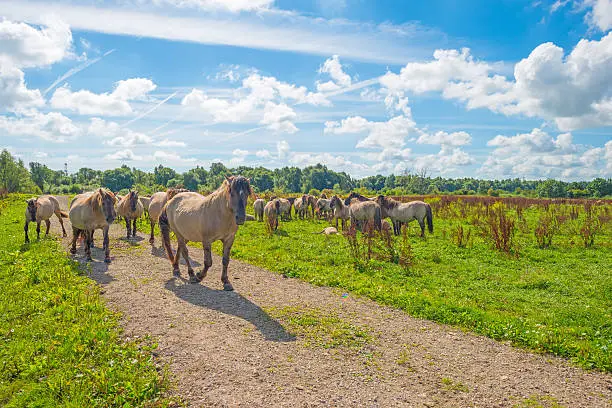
[{"x": 499, "y": 227}]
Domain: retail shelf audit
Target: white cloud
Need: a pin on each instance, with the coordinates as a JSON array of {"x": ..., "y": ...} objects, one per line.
[
  {"x": 171, "y": 158},
  {"x": 115, "y": 135},
  {"x": 338, "y": 163},
  {"x": 282, "y": 149},
  {"x": 263, "y": 154},
  {"x": 538, "y": 154},
  {"x": 446, "y": 139},
  {"x": 279, "y": 117},
  {"x": 53, "y": 126},
  {"x": 123, "y": 155},
  {"x": 170, "y": 143},
  {"x": 14, "y": 94},
  {"x": 386, "y": 135},
  {"x": 600, "y": 15},
  {"x": 339, "y": 78},
  {"x": 115, "y": 103},
  {"x": 233, "y": 6},
  {"x": 26, "y": 46}
]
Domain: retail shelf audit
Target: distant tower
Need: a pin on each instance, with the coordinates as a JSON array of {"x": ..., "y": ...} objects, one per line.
[{"x": 66, "y": 169}]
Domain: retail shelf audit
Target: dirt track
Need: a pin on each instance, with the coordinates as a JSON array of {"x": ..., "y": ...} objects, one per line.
[{"x": 230, "y": 348}]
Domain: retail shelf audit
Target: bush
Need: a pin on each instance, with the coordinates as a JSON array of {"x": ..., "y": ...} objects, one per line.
[
  {"x": 547, "y": 227},
  {"x": 461, "y": 236},
  {"x": 500, "y": 228},
  {"x": 314, "y": 192}
]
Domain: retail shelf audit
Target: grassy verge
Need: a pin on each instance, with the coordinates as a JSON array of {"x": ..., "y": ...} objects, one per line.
[
  {"x": 59, "y": 345},
  {"x": 556, "y": 300}
]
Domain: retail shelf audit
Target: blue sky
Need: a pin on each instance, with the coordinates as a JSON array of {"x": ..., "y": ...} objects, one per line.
[{"x": 511, "y": 88}]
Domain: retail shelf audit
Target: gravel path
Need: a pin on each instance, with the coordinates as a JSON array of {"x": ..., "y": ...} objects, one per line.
[{"x": 260, "y": 346}]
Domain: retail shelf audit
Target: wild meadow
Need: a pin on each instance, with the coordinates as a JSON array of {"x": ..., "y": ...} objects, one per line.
[
  {"x": 536, "y": 273},
  {"x": 59, "y": 344}
]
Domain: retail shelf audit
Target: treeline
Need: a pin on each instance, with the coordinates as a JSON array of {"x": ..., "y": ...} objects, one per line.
[{"x": 38, "y": 178}]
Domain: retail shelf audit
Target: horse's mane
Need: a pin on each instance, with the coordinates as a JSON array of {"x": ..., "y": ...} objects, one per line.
[
  {"x": 336, "y": 200},
  {"x": 387, "y": 202},
  {"x": 224, "y": 188},
  {"x": 97, "y": 198},
  {"x": 171, "y": 192}
]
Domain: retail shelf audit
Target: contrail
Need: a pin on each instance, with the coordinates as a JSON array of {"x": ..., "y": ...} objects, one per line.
[
  {"x": 142, "y": 115},
  {"x": 76, "y": 70}
]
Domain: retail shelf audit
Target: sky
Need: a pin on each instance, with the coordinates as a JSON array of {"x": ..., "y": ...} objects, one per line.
[{"x": 478, "y": 88}]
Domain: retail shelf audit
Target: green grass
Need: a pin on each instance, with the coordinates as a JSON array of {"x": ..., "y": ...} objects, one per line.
[
  {"x": 556, "y": 300},
  {"x": 59, "y": 344}
]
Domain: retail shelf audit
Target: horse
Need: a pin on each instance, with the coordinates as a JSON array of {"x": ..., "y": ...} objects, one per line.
[
  {"x": 41, "y": 209},
  {"x": 301, "y": 206},
  {"x": 405, "y": 212},
  {"x": 323, "y": 208},
  {"x": 88, "y": 212},
  {"x": 131, "y": 209},
  {"x": 273, "y": 213},
  {"x": 312, "y": 203},
  {"x": 285, "y": 209},
  {"x": 145, "y": 204},
  {"x": 363, "y": 209},
  {"x": 156, "y": 205},
  {"x": 194, "y": 217},
  {"x": 258, "y": 207},
  {"x": 340, "y": 211}
]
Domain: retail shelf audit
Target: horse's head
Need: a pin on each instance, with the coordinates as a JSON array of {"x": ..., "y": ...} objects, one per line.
[
  {"x": 107, "y": 201},
  {"x": 239, "y": 190},
  {"x": 381, "y": 200},
  {"x": 350, "y": 197},
  {"x": 32, "y": 207},
  {"x": 133, "y": 197}
]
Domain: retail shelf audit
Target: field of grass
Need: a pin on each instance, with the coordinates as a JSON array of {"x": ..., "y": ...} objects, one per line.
[
  {"x": 59, "y": 344},
  {"x": 556, "y": 300}
]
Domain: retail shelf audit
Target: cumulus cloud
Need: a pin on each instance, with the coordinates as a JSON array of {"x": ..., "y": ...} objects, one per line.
[
  {"x": 444, "y": 138},
  {"x": 279, "y": 117},
  {"x": 123, "y": 155},
  {"x": 600, "y": 15},
  {"x": 170, "y": 157},
  {"x": 538, "y": 154},
  {"x": 170, "y": 143},
  {"x": 115, "y": 135},
  {"x": 574, "y": 91},
  {"x": 386, "y": 135},
  {"x": 14, "y": 94},
  {"x": 115, "y": 103},
  {"x": 339, "y": 78},
  {"x": 52, "y": 126}
]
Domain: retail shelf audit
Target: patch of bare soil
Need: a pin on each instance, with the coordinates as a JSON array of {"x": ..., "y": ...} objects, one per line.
[{"x": 282, "y": 342}]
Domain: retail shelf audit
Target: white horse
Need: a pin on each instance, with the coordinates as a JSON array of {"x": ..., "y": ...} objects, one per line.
[{"x": 405, "y": 212}]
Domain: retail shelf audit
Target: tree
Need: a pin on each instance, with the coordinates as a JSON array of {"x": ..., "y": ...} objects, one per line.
[
  {"x": 118, "y": 179},
  {"x": 551, "y": 188},
  {"x": 600, "y": 187},
  {"x": 163, "y": 175},
  {"x": 14, "y": 177},
  {"x": 40, "y": 173},
  {"x": 89, "y": 176}
]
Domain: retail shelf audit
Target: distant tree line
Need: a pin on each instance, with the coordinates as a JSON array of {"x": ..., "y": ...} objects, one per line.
[{"x": 38, "y": 178}]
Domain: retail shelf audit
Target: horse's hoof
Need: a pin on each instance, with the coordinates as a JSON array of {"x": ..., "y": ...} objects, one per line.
[
  {"x": 107, "y": 260},
  {"x": 64, "y": 235},
  {"x": 193, "y": 279},
  {"x": 88, "y": 259},
  {"x": 176, "y": 272},
  {"x": 72, "y": 250},
  {"x": 228, "y": 287},
  {"x": 151, "y": 241}
]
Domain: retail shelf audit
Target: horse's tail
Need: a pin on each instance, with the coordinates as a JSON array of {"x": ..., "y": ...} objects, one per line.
[
  {"x": 164, "y": 227},
  {"x": 64, "y": 214},
  {"x": 378, "y": 219},
  {"x": 429, "y": 216}
]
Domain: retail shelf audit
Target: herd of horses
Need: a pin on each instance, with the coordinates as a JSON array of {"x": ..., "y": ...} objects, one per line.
[{"x": 214, "y": 217}]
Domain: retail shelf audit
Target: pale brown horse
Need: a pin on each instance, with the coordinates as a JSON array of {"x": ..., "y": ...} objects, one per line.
[
  {"x": 131, "y": 209},
  {"x": 301, "y": 206},
  {"x": 340, "y": 211},
  {"x": 285, "y": 209},
  {"x": 145, "y": 201},
  {"x": 362, "y": 209},
  {"x": 272, "y": 210},
  {"x": 215, "y": 217},
  {"x": 312, "y": 203},
  {"x": 91, "y": 211},
  {"x": 41, "y": 209},
  {"x": 405, "y": 212},
  {"x": 156, "y": 205},
  {"x": 323, "y": 208},
  {"x": 258, "y": 207}
]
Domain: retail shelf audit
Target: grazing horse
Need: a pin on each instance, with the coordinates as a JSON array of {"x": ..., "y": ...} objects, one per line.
[
  {"x": 312, "y": 203},
  {"x": 362, "y": 209},
  {"x": 273, "y": 213},
  {"x": 131, "y": 209},
  {"x": 258, "y": 207},
  {"x": 340, "y": 211},
  {"x": 215, "y": 217},
  {"x": 88, "y": 212},
  {"x": 405, "y": 212},
  {"x": 301, "y": 206},
  {"x": 156, "y": 205},
  {"x": 41, "y": 209},
  {"x": 285, "y": 209}
]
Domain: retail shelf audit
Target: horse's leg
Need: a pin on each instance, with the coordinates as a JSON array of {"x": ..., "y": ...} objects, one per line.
[
  {"x": 88, "y": 235},
  {"x": 422, "y": 225},
  {"x": 182, "y": 248},
  {"x": 48, "y": 225},
  {"x": 227, "y": 247},
  {"x": 105, "y": 244},
  {"x": 207, "y": 261},
  {"x": 37, "y": 229},
  {"x": 59, "y": 216},
  {"x": 177, "y": 257},
  {"x": 134, "y": 228},
  {"x": 25, "y": 229},
  {"x": 75, "y": 235},
  {"x": 152, "y": 237},
  {"x": 127, "y": 227}
]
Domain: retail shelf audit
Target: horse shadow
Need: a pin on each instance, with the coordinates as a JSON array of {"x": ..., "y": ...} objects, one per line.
[
  {"x": 230, "y": 303},
  {"x": 160, "y": 252},
  {"x": 96, "y": 269}
]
